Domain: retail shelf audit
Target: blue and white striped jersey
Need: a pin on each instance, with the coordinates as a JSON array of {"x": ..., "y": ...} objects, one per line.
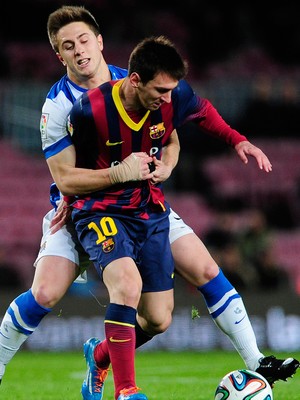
[{"x": 53, "y": 123}]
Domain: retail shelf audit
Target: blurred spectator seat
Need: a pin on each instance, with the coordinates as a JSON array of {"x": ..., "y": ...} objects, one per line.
[
  {"x": 24, "y": 199},
  {"x": 232, "y": 179},
  {"x": 286, "y": 249},
  {"x": 192, "y": 208},
  {"x": 22, "y": 56}
]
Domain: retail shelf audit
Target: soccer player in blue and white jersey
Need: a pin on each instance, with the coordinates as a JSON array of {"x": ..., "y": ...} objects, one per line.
[{"x": 74, "y": 35}]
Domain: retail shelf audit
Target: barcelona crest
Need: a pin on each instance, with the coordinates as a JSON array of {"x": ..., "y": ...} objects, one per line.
[
  {"x": 157, "y": 131},
  {"x": 108, "y": 245}
]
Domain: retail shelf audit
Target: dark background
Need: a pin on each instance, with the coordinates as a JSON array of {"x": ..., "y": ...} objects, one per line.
[{"x": 207, "y": 32}]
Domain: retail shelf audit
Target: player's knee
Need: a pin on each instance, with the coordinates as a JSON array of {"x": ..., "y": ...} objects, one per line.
[
  {"x": 159, "y": 325},
  {"x": 210, "y": 271},
  {"x": 44, "y": 297},
  {"x": 204, "y": 273},
  {"x": 125, "y": 290}
]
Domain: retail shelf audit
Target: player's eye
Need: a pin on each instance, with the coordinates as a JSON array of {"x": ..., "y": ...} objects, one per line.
[{"x": 68, "y": 47}]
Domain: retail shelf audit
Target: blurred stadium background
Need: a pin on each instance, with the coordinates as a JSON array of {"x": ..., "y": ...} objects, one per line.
[{"x": 248, "y": 64}]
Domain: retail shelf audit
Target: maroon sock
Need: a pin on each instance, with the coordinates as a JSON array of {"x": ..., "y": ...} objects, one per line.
[
  {"x": 121, "y": 345},
  {"x": 101, "y": 355}
]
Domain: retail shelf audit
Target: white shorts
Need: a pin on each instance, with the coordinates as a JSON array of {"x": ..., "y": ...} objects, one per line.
[
  {"x": 62, "y": 244},
  {"x": 178, "y": 227}
]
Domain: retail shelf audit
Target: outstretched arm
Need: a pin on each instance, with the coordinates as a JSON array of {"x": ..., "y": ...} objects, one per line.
[
  {"x": 212, "y": 122},
  {"x": 246, "y": 148}
]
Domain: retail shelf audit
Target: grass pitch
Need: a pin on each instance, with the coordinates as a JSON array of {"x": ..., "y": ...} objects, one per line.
[{"x": 161, "y": 375}]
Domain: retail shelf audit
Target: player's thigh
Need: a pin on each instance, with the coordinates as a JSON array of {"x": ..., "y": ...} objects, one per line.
[
  {"x": 56, "y": 264},
  {"x": 155, "y": 311},
  {"x": 53, "y": 276},
  {"x": 62, "y": 243},
  {"x": 192, "y": 260},
  {"x": 123, "y": 281}
]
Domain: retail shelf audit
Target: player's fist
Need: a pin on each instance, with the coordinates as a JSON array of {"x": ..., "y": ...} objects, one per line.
[{"x": 133, "y": 168}]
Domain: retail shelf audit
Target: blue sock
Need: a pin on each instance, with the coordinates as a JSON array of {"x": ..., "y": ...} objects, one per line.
[
  {"x": 227, "y": 309},
  {"x": 218, "y": 293},
  {"x": 122, "y": 314},
  {"x": 26, "y": 313}
]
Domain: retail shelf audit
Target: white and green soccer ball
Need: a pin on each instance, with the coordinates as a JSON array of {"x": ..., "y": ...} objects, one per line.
[{"x": 243, "y": 384}]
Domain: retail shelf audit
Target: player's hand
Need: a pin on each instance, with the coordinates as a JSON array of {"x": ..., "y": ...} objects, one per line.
[
  {"x": 161, "y": 172},
  {"x": 246, "y": 148},
  {"x": 62, "y": 215},
  {"x": 135, "y": 167}
]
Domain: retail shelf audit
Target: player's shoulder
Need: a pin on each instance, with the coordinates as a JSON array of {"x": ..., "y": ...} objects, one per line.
[
  {"x": 117, "y": 72},
  {"x": 64, "y": 90},
  {"x": 99, "y": 93},
  {"x": 183, "y": 88},
  {"x": 183, "y": 94}
]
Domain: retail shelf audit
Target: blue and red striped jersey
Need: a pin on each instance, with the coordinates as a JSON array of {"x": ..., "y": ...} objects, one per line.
[{"x": 104, "y": 134}]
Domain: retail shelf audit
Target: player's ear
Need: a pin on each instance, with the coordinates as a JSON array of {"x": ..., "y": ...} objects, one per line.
[
  {"x": 100, "y": 41},
  {"x": 61, "y": 59},
  {"x": 135, "y": 79}
]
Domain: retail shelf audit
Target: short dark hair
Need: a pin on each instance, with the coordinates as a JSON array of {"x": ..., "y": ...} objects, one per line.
[
  {"x": 156, "y": 54},
  {"x": 64, "y": 16}
]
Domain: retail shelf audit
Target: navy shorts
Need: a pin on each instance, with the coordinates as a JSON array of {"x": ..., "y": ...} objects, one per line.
[{"x": 107, "y": 237}]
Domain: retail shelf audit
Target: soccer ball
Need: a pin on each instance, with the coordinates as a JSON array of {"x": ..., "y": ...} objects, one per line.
[{"x": 243, "y": 385}]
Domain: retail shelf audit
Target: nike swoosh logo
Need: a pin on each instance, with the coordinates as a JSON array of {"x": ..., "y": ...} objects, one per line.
[
  {"x": 112, "y": 340},
  {"x": 108, "y": 143},
  {"x": 237, "y": 322}
]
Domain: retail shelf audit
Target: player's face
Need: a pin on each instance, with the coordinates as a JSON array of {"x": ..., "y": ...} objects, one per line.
[
  {"x": 80, "y": 51},
  {"x": 156, "y": 92}
]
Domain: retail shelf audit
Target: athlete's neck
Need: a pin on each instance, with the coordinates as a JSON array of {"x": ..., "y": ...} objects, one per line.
[
  {"x": 92, "y": 81},
  {"x": 129, "y": 98}
]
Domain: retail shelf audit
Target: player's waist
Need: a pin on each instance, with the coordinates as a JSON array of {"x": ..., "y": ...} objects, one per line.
[{"x": 130, "y": 201}]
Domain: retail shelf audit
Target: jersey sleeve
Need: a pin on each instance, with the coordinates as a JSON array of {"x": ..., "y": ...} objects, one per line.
[
  {"x": 192, "y": 107},
  {"x": 54, "y": 135},
  {"x": 214, "y": 124}
]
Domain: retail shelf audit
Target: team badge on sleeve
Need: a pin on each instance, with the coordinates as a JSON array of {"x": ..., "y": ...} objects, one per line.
[
  {"x": 43, "y": 125},
  {"x": 70, "y": 126}
]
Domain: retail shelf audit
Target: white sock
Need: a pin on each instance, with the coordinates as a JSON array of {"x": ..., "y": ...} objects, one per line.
[
  {"x": 2, "y": 370},
  {"x": 10, "y": 340},
  {"x": 235, "y": 323}
]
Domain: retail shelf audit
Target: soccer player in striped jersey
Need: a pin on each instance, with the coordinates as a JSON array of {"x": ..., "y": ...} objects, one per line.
[
  {"x": 73, "y": 30},
  {"x": 107, "y": 124}
]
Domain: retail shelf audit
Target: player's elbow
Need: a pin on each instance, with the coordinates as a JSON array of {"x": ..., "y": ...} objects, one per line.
[{"x": 64, "y": 187}]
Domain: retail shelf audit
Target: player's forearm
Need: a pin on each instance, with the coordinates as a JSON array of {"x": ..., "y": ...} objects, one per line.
[
  {"x": 215, "y": 125},
  {"x": 170, "y": 154},
  {"x": 79, "y": 181},
  {"x": 76, "y": 181}
]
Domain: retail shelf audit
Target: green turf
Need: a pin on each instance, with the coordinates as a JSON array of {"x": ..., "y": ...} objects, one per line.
[{"x": 161, "y": 375}]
